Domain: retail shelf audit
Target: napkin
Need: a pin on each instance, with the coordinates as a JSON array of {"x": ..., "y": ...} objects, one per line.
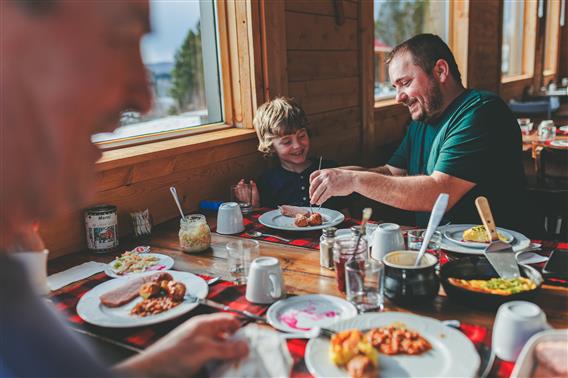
[
  {"x": 58, "y": 280},
  {"x": 268, "y": 356}
]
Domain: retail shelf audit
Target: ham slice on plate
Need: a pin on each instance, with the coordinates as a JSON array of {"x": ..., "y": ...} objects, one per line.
[
  {"x": 292, "y": 211},
  {"x": 127, "y": 292}
]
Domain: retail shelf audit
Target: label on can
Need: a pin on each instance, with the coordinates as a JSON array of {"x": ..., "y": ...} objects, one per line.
[{"x": 102, "y": 230}]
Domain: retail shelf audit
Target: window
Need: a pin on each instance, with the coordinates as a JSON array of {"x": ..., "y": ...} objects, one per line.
[
  {"x": 181, "y": 58},
  {"x": 513, "y": 36},
  {"x": 396, "y": 21},
  {"x": 551, "y": 37}
]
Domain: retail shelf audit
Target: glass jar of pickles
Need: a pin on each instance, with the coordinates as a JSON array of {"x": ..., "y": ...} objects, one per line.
[{"x": 194, "y": 233}]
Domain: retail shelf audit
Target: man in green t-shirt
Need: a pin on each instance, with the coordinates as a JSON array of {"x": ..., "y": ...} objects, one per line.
[{"x": 462, "y": 142}]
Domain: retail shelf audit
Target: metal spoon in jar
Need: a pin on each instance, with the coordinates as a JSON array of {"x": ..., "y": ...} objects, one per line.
[
  {"x": 176, "y": 199},
  {"x": 258, "y": 234}
]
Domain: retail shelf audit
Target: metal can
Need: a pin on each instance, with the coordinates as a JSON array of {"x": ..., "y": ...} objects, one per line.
[{"x": 101, "y": 224}]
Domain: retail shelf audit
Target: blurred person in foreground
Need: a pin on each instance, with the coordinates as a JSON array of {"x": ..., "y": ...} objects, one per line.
[
  {"x": 68, "y": 69},
  {"x": 463, "y": 142}
]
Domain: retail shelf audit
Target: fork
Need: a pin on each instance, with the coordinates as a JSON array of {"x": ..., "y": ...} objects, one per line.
[
  {"x": 312, "y": 333},
  {"x": 220, "y": 306}
]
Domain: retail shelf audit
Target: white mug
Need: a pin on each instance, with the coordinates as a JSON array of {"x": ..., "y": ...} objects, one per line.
[
  {"x": 265, "y": 283},
  {"x": 35, "y": 266},
  {"x": 230, "y": 219},
  {"x": 386, "y": 238},
  {"x": 516, "y": 322}
]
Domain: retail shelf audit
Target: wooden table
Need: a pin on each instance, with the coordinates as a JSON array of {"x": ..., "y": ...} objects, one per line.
[
  {"x": 531, "y": 142},
  {"x": 302, "y": 275}
]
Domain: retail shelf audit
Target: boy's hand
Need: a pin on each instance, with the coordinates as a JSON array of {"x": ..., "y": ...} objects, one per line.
[{"x": 247, "y": 193}]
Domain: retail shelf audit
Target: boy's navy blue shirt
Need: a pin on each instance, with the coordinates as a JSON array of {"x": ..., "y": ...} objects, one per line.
[{"x": 277, "y": 186}]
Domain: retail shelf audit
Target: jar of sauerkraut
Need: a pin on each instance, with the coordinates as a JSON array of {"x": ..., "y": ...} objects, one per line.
[{"x": 194, "y": 233}]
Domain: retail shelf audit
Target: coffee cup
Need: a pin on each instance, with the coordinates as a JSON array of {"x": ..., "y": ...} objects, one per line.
[
  {"x": 515, "y": 323},
  {"x": 406, "y": 283},
  {"x": 35, "y": 266},
  {"x": 265, "y": 283},
  {"x": 386, "y": 238},
  {"x": 230, "y": 219}
]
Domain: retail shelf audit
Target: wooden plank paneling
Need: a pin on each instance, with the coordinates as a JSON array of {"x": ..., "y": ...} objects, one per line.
[
  {"x": 321, "y": 7},
  {"x": 323, "y": 95},
  {"x": 274, "y": 49},
  {"x": 316, "y": 65},
  {"x": 313, "y": 32},
  {"x": 367, "y": 78}
]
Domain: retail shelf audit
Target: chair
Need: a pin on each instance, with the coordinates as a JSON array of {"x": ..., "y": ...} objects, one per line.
[
  {"x": 548, "y": 193},
  {"x": 536, "y": 106}
]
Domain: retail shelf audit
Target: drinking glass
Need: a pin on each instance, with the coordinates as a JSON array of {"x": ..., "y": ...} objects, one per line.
[
  {"x": 546, "y": 131},
  {"x": 526, "y": 125},
  {"x": 240, "y": 254},
  {"x": 416, "y": 237},
  {"x": 365, "y": 284},
  {"x": 344, "y": 251},
  {"x": 242, "y": 194}
]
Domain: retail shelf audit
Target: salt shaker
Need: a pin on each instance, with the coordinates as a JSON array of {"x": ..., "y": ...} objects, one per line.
[{"x": 326, "y": 247}]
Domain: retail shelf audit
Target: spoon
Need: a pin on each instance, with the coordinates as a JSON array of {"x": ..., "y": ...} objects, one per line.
[
  {"x": 435, "y": 218},
  {"x": 176, "y": 199},
  {"x": 213, "y": 281},
  {"x": 367, "y": 212},
  {"x": 258, "y": 234}
]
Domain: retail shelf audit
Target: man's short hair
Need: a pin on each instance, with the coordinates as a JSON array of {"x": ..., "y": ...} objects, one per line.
[
  {"x": 426, "y": 49},
  {"x": 275, "y": 118}
]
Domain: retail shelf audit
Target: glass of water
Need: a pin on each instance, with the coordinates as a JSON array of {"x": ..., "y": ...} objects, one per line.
[
  {"x": 365, "y": 284},
  {"x": 240, "y": 255},
  {"x": 241, "y": 193},
  {"x": 546, "y": 131}
]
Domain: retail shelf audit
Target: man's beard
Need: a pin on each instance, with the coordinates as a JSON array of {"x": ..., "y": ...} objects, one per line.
[{"x": 432, "y": 107}]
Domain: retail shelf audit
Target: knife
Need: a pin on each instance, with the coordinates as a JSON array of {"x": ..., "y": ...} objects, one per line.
[
  {"x": 500, "y": 254},
  {"x": 220, "y": 306}
]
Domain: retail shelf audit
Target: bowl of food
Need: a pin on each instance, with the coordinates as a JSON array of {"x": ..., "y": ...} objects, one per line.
[{"x": 473, "y": 281}]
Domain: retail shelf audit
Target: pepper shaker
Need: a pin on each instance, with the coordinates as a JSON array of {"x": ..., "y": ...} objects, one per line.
[{"x": 326, "y": 247}]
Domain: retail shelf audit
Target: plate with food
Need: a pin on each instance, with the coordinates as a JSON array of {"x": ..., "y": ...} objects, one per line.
[
  {"x": 295, "y": 218},
  {"x": 544, "y": 355},
  {"x": 453, "y": 239},
  {"x": 365, "y": 347},
  {"x": 141, "y": 300},
  {"x": 559, "y": 143},
  {"x": 475, "y": 236},
  {"x": 473, "y": 281},
  {"x": 304, "y": 312},
  {"x": 134, "y": 262}
]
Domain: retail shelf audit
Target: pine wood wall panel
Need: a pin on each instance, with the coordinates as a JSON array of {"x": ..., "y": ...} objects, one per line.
[
  {"x": 313, "y": 65},
  {"x": 315, "y": 32},
  {"x": 321, "y": 7},
  {"x": 323, "y": 95}
]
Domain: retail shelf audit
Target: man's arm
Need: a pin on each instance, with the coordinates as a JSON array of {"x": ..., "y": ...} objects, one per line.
[
  {"x": 414, "y": 193},
  {"x": 383, "y": 169}
]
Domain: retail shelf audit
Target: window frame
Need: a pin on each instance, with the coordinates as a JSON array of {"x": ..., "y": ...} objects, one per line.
[
  {"x": 551, "y": 54},
  {"x": 237, "y": 31},
  {"x": 454, "y": 13}
]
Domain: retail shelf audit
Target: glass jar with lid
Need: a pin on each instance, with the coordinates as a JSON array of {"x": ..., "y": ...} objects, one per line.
[{"x": 194, "y": 233}]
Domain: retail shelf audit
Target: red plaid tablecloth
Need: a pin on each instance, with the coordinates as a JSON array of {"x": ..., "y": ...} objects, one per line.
[{"x": 139, "y": 338}]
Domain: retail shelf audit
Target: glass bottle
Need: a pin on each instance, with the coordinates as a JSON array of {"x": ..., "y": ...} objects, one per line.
[
  {"x": 326, "y": 247},
  {"x": 194, "y": 233}
]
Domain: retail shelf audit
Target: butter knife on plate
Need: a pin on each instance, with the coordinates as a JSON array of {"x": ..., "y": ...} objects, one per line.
[
  {"x": 500, "y": 254},
  {"x": 220, "y": 306}
]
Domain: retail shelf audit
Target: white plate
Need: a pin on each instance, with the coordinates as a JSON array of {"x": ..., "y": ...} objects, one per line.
[
  {"x": 92, "y": 311},
  {"x": 520, "y": 241},
  {"x": 274, "y": 219},
  {"x": 455, "y": 235},
  {"x": 165, "y": 262},
  {"x": 304, "y": 312},
  {"x": 564, "y": 129},
  {"x": 559, "y": 143},
  {"x": 526, "y": 361},
  {"x": 452, "y": 354}
]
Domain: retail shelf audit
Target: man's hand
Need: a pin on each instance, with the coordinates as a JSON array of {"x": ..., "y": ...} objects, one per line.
[
  {"x": 185, "y": 350},
  {"x": 331, "y": 182}
]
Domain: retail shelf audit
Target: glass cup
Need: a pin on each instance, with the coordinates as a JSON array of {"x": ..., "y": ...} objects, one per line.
[
  {"x": 414, "y": 239},
  {"x": 526, "y": 125},
  {"x": 546, "y": 131},
  {"x": 365, "y": 284},
  {"x": 240, "y": 254},
  {"x": 344, "y": 251},
  {"x": 242, "y": 194}
]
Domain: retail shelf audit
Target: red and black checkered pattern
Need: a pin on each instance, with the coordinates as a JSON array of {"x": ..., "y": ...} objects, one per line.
[
  {"x": 306, "y": 239},
  {"x": 478, "y": 335},
  {"x": 139, "y": 338}
]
